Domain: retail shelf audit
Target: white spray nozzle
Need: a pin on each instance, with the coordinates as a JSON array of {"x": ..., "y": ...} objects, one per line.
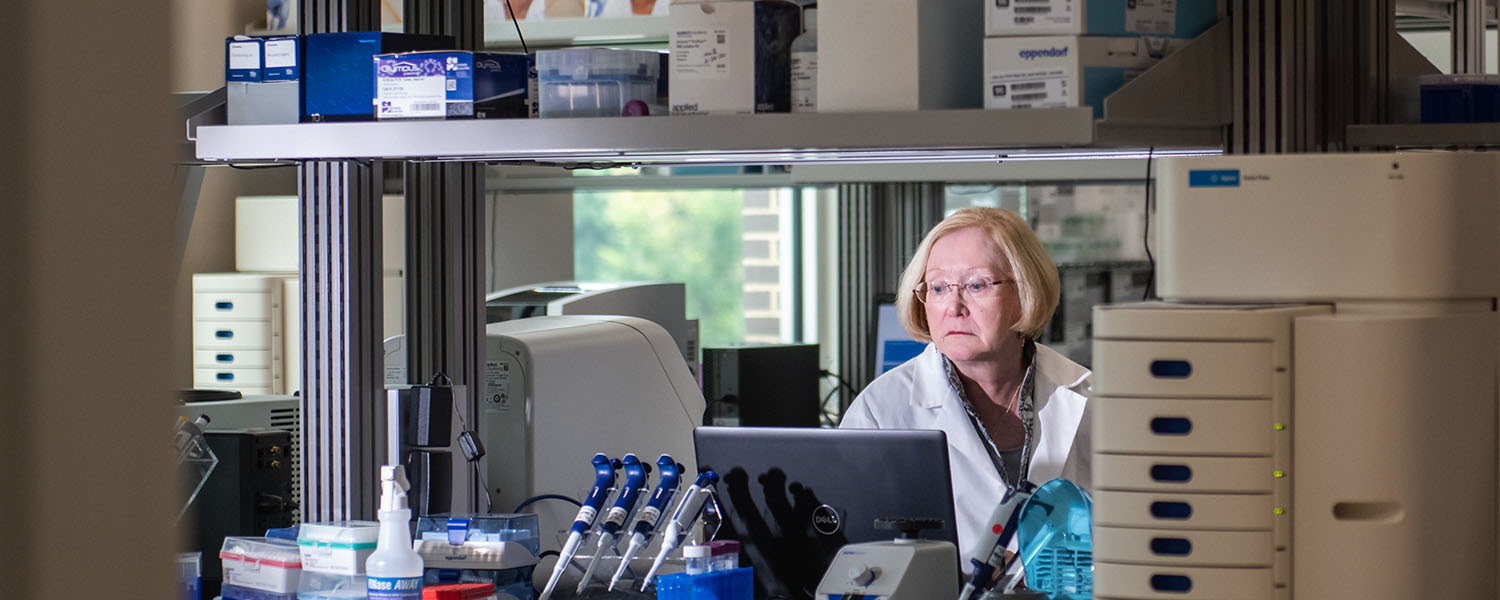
[{"x": 393, "y": 487}]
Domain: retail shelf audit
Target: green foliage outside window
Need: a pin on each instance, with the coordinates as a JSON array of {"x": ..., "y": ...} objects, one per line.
[{"x": 691, "y": 236}]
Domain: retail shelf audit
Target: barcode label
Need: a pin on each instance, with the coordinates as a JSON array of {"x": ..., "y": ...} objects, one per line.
[
  {"x": 426, "y": 106},
  {"x": 1025, "y": 20},
  {"x": 1032, "y": 10},
  {"x": 1012, "y": 17},
  {"x": 1034, "y": 88}
]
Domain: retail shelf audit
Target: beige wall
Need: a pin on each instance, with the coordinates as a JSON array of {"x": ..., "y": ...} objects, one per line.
[
  {"x": 198, "y": 31},
  {"x": 88, "y": 264}
]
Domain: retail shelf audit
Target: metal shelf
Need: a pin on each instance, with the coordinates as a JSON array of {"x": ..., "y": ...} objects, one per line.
[
  {"x": 1425, "y": 135},
  {"x": 923, "y": 136}
]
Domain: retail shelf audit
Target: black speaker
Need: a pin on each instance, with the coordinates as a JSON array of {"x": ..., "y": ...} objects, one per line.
[{"x": 762, "y": 386}]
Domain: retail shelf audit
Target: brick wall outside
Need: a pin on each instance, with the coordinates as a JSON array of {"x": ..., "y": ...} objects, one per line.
[{"x": 762, "y": 258}]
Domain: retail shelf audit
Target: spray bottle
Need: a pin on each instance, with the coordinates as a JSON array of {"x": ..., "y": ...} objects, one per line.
[{"x": 394, "y": 570}]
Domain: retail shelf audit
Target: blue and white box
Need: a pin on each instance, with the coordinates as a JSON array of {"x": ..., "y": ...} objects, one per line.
[
  {"x": 456, "y": 84},
  {"x": 338, "y": 83},
  {"x": 242, "y": 58},
  {"x": 1157, "y": 18},
  {"x": 280, "y": 59},
  {"x": 1064, "y": 71}
]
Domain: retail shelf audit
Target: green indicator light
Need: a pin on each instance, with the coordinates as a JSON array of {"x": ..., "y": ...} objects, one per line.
[
  {"x": 1278, "y": 510},
  {"x": 1280, "y": 427},
  {"x": 1278, "y": 474}
]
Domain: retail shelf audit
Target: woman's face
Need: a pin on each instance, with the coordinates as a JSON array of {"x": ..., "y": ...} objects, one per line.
[{"x": 964, "y": 327}]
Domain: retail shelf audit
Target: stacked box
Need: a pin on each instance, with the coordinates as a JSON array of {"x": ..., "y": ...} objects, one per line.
[
  {"x": 898, "y": 55},
  {"x": 1072, "y": 53},
  {"x": 261, "y": 79},
  {"x": 338, "y": 83}
]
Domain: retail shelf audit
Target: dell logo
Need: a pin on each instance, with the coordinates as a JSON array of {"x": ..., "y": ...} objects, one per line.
[{"x": 826, "y": 520}]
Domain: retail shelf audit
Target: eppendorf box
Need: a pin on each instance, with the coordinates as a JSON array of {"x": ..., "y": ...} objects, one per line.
[
  {"x": 453, "y": 84},
  {"x": 1159, "y": 18},
  {"x": 1064, "y": 71},
  {"x": 732, "y": 56}
]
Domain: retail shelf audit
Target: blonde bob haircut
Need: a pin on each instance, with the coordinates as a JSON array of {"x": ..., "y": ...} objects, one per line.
[{"x": 1035, "y": 274}]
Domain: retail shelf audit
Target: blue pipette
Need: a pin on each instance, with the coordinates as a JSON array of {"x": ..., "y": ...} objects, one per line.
[
  {"x": 650, "y": 516},
  {"x": 635, "y": 481},
  {"x": 604, "y": 479},
  {"x": 693, "y": 501}
]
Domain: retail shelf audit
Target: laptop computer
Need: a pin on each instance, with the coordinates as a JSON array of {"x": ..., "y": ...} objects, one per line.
[{"x": 794, "y": 496}]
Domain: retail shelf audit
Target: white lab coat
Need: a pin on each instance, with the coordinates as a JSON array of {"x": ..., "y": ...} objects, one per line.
[{"x": 918, "y": 395}]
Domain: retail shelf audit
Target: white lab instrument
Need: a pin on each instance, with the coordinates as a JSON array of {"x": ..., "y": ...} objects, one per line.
[
  {"x": 663, "y": 303},
  {"x": 559, "y": 389},
  {"x": 905, "y": 568},
  {"x": 683, "y": 519},
  {"x": 1313, "y": 412}
]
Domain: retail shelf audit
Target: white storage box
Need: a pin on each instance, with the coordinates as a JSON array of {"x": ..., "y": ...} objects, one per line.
[
  {"x": 898, "y": 55},
  {"x": 266, "y": 234},
  {"x": 1159, "y": 510},
  {"x": 1184, "y": 474},
  {"x": 1064, "y": 71},
  {"x": 1164, "y": 18},
  {"x": 266, "y": 564},
  {"x": 597, "y": 82},
  {"x": 732, "y": 57},
  {"x": 330, "y": 586},
  {"x": 340, "y": 547}
]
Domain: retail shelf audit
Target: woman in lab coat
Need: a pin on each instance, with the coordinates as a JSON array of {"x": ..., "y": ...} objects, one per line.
[{"x": 980, "y": 289}]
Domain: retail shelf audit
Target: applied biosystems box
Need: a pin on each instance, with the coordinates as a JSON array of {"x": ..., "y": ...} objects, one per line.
[
  {"x": 1158, "y": 18},
  {"x": 453, "y": 84},
  {"x": 1064, "y": 71},
  {"x": 732, "y": 57}
]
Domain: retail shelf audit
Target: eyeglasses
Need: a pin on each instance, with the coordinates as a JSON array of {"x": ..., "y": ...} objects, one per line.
[{"x": 973, "y": 288}]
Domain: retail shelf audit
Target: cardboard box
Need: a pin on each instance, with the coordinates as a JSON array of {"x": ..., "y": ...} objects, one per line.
[
  {"x": 1159, "y": 18},
  {"x": 242, "y": 56},
  {"x": 280, "y": 59},
  {"x": 452, "y": 84},
  {"x": 338, "y": 79},
  {"x": 732, "y": 56},
  {"x": 898, "y": 55},
  {"x": 1064, "y": 71}
]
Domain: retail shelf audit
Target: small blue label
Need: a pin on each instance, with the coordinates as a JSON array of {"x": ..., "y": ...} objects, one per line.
[
  {"x": 1214, "y": 178},
  {"x": 393, "y": 588}
]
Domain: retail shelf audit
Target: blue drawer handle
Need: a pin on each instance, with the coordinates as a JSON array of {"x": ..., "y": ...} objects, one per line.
[
  {"x": 1171, "y": 369},
  {"x": 1171, "y": 473},
  {"x": 1171, "y": 426},
  {"x": 224, "y": 334},
  {"x": 222, "y": 305},
  {"x": 1171, "y": 583},
  {"x": 224, "y": 376},
  {"x": 1171, "y": 510},
  {"x": 1171, "y": 546},
  {"x": 224, "y": 358}
]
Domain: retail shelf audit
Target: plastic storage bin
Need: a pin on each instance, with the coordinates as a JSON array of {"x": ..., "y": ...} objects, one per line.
[
  {"x": 316, "y": 585},
  {"x": 258, "y": 563},
  {"x": 459, "y": 591},
  {"x": 597, "y": 82},
  {"x": 235, "y": 592},
  {"x": 339, "y": 547},
  {"x": 734, "y": 584},
  {"x": 497, "y": 549}
]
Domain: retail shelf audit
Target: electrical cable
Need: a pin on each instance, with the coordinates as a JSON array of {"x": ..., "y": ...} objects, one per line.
[
  {"x": 534, "y": 499},
  {"x": 517, "y": 22},
  {"x": 1146, "y": 233}
]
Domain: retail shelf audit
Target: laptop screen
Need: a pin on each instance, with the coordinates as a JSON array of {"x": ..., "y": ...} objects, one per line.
[{"x": 794, "y": 496}]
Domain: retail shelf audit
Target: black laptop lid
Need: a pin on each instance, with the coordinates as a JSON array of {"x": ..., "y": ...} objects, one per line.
[{"x": 794, "y": 496}]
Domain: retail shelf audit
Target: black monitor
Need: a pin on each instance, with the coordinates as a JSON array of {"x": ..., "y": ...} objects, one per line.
[
  {"x": 794, "y": 496},
  {"x": 891, "y": 345}
]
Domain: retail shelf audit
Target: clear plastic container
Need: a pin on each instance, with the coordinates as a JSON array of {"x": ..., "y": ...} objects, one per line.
[
  {"x": 339, "y": 547},
  {"x": 597, "y": 82},
  {"x": 459, "y": 591},
  {"x": 259, "y": 563},
  {"x": 699, "y": 559},
  {"x": 235, "y": 592},
  {"x": 805, "y": 63},
  {"x": 521, "y": 528},
  {"x": 316, "y": 585},
  {"x": 726, "y": 555}
]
